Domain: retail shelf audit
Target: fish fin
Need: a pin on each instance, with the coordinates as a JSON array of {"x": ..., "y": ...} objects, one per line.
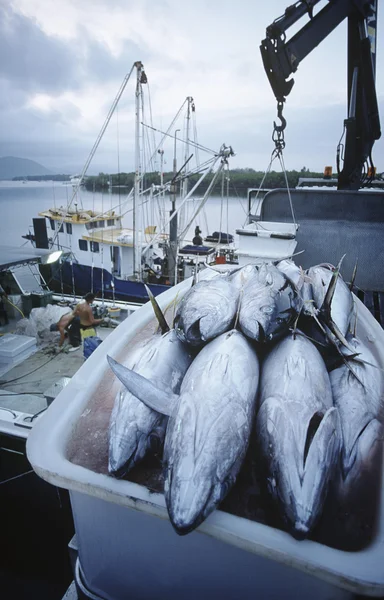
[
  {"x": 326, "y": 306},
  {"x": 157, "y": 310},
  {"x": 366, "y": 444},
  {"x": 195, "y": 279},
  {"x": 346, "y": 362},
  {"x": 238, "y": 308},
  {"x": 323, "y": 444},
  {"x": 355, "y": 323},
  {"x": 339, "y": 335},
  {"x": 353, "y": 276},
  {"x": 144, "y": 390},
  {"x": 276, "y": 262}
]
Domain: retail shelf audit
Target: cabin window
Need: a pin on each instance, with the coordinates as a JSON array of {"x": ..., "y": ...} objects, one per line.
[
  {"x": 110, "y": 222},
  {"x": 100, "y": 223},
  {"x": 94, "y": 246},
  {"x": 88, "y": 225},
  {"x": 69, "y": 228},
  {"x": 83, "y": 245},
  {"x": 61, "y": 230},
  {"x": 52, "y": 222}
]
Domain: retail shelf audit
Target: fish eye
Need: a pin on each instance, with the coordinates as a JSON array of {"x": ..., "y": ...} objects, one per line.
[{"x": 267, "y": 309}]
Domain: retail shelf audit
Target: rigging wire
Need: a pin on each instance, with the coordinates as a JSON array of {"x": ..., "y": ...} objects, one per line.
[
  {"x": 203, "y": 200},
  {"x": 281, "y": 158},
  {"x": 266, "y": 172},
  {"x": 189, "y": 141}
]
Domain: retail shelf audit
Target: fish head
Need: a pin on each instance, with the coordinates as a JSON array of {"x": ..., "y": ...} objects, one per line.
[
  {"x": 189, "y": 502},
  {"x": 187, "y": 327},
  {"x": 269, "y": 305},
  {"x": 134, "y": 430},
  {"x": 300, "y": 465},
  {"x": 206, "y": 311}
]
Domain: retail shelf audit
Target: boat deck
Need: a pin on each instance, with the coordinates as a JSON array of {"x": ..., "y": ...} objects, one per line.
[
  {"x": 37, "y": 518},
  {"x": 374, "y": 301}
]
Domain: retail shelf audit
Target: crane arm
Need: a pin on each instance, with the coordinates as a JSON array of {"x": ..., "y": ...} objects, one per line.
[{"x": 281, "y": 58}]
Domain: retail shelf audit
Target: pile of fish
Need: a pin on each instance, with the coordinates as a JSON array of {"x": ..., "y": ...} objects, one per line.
[{"x": 266, "y": 354}]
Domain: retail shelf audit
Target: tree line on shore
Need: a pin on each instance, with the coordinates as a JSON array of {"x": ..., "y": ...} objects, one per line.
[{"x": 239, "y": 180}]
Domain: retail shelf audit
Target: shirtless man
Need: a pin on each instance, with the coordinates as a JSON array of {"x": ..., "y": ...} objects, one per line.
[
  {"x": 62, "y": 325},
  {"x": 84, "y": 312}
]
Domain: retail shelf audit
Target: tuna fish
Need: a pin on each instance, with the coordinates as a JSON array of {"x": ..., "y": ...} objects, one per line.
[
  {"x": 298, "y": 431},
  {"x": 209, "y": 426},
  {"x": 340, "y": 310},
  {"x": 207, "y": 310},
  {"x": 268, "y": 304},
  {"x": 134, "y": 428},
  {"x": 361, "y": 411}
]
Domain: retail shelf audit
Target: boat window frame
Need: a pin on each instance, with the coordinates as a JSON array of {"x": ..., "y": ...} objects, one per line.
[
  {"x": 94, "y": 246},
  {"x": 68, "y": 227},
  {"x": 110, "y": 222},
  {"x": 52, "y": 222},
  {"x": 83, "y": 243}
]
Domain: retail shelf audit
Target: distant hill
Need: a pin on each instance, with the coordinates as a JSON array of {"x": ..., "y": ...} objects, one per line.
[{"x": 11, "y": 166}]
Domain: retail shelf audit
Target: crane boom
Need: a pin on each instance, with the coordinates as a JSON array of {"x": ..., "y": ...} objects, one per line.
[{"x": 281, "y": 58}]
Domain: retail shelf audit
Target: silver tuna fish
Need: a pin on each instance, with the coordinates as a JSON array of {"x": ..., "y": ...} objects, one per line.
[
  {"x": 209, "y": 429},
  {"x": 341, "y": 303},
  {"x": 268, "y": 304},
  {"x": 360, "y": 407},
  {"x": 298, "y": 431},
  {"x": 207, "y": 310},
  {"x": 134, "y": 428}
]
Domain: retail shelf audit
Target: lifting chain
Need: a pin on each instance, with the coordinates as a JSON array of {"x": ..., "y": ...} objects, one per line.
[{"x": 278, "y": 130}]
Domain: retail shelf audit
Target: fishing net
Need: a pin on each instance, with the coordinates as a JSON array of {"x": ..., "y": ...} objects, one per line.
[{"x": 39, "y": 322}]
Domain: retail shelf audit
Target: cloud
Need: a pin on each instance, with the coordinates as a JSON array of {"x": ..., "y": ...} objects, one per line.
[{"x": 67, "y": 60}]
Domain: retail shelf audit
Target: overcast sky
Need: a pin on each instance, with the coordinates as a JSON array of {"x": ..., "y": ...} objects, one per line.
[{"x": 63, "y": 62}]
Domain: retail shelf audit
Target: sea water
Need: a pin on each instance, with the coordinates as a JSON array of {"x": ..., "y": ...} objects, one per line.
[{"x": 21, "y": 202}]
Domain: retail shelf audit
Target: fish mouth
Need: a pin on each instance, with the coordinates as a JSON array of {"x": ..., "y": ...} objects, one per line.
[
  {"x": 193, "y": 334},
  {"x": 300, "y": 531},
  {"x": 120, "y": 472},
  {"x": 185, "y": 520}
]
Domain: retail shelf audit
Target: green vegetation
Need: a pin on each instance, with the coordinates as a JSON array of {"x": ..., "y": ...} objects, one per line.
[
  {"x": 42, "y": 178},
  {"x": 240, "y": 180}
]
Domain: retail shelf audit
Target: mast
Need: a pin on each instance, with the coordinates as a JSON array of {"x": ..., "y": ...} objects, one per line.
[
  {"x": 190, "y": 107},
  {"x": 141, "y": 78},
  {"x": 173, "y": 222}
]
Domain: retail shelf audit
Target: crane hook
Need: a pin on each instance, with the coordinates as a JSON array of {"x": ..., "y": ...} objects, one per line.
[{"x": 280, "y": 128}]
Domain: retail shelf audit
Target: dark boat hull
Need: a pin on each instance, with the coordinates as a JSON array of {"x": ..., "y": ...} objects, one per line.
[{"x": 67, "y": 279}]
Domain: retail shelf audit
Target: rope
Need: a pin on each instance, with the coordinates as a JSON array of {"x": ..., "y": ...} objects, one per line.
[
  {"x": 14, "y": 306},
  {"x": 281, "y": 158},
  {"x": 16, "y": 477}
]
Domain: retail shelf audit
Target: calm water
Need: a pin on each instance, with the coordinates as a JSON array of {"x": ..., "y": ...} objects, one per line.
[{"x": 19, "y": 203}]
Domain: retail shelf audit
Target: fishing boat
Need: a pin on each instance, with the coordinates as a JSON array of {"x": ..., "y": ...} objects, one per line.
[
  {"x": 101, "y": 254},
  {"x": 231, "y": 555}
]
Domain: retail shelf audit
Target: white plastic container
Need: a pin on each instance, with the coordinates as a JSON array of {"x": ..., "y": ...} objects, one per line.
[
  {"x": 265, "y": 240},
  {"x": 127, "y": 547}
]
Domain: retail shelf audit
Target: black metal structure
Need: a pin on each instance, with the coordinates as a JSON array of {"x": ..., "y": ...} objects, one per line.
[{"x": 281, "y": 58}]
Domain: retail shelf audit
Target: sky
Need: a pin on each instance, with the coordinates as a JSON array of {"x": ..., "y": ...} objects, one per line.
[{"x": 63, "y": 62}]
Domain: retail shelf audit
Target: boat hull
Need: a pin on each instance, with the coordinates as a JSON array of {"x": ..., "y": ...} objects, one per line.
[{"x": 66, "y": 278}]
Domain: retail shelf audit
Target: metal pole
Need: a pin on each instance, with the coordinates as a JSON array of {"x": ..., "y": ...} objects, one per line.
[
  {"x": 173, "y": 223},
  {"x": 136, "y": 194}
]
